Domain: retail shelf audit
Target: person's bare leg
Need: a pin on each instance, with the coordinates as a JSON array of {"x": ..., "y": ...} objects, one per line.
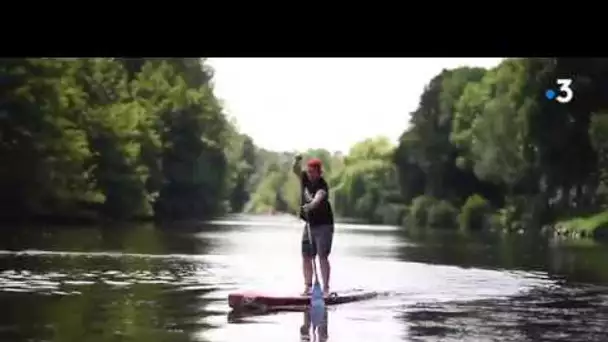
[
  {"x": 307, "y": 272},
  {"x": 308, "y": 253},
  {"x": 325, "y": 273},
  {"x": 325, "y": 242}
]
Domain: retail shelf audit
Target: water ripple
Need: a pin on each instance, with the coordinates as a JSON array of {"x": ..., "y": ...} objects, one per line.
[{"x": 173, "y": 287}]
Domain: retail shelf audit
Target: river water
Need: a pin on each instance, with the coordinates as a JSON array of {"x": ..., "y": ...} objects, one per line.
[{"x": 140, "y": 283}]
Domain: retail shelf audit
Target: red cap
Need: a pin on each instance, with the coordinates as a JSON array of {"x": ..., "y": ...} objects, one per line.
[{"x": 315, "y": 162}]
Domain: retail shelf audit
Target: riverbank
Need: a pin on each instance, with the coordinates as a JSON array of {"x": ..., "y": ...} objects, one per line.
[
  {"x": 68, "y": 220},
  {"x": 591, "y": 227}
]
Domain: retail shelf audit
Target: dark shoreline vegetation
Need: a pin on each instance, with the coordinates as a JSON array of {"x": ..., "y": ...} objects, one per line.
[{"x": 122, "y": 139}]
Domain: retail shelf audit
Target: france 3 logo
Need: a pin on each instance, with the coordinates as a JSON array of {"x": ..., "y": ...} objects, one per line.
[{"x": 564, "y": 94}]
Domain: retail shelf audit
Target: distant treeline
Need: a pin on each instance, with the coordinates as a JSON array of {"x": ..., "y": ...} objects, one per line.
[
  {"x": 115, "y": 138},
  {"x": 129, "y": 138},
  {"x": 487, "y": 149}
]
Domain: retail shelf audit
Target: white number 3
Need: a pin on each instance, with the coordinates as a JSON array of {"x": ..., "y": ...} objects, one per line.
[{"x": 566, "y": 93}]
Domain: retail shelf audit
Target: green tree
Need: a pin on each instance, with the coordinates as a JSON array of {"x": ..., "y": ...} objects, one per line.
[
  {"x": 114, "y": 137},
  {"x": 367, "y": 185}
]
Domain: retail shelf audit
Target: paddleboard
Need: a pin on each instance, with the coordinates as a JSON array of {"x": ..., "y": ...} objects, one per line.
[{"x": 261, "y": 300}]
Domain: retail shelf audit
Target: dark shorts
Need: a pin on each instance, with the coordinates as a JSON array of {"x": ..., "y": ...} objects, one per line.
[{"x": 322, "y": 237}]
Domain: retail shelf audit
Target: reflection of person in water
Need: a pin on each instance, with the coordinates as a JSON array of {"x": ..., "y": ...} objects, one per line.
[{"x": 311, "y": 333}]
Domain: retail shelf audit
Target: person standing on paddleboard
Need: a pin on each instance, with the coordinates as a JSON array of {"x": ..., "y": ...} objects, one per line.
[{"x": 317, "y": 211}]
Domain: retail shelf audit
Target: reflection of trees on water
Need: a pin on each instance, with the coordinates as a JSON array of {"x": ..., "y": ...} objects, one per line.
[
  {"x": 539, "y": 315},
  {"x": 473, "y": 249},
  {"x": 426, "y": 322},
  {"x": 562, "y": 312},
  {"x": 118, "y": 297},
  {"x": 140, "y": 239},
  {"x": 575, "y": 261},
  {"x": 580, "y": 262},
  {"x": 99, "y": 312}
]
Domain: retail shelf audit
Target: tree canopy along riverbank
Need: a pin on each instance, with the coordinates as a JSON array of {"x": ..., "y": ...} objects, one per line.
[
  {"x": 485, "y": 149},
  {"x": 135, "y": 138},
  {"x": 116, "y": 138}
]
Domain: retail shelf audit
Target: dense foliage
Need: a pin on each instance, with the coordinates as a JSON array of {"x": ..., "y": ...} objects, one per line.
[
  {"x": 116, "y": 138},
  {"x": 492, "y": 134},
  {"x": 485, "y": 148},
  {"x": 128, "y": 138}
]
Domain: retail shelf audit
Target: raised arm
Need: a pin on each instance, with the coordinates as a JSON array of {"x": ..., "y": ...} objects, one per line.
[{"x": 296, "y": 167}]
